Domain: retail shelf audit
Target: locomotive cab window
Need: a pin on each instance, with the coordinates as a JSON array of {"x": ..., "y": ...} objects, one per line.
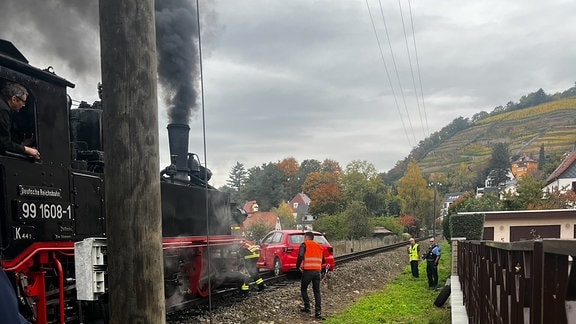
[{"x": 19, "y": 124}]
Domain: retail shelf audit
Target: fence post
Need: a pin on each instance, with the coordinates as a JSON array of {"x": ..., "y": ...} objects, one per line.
[{"x": 537, "y": 283}]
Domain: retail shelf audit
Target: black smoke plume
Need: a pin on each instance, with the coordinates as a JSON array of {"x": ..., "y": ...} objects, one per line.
[{"x": 178, "y": 64}]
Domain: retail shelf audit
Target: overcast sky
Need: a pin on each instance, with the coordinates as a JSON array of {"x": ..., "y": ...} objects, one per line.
[{"x": 329, "y": 78}]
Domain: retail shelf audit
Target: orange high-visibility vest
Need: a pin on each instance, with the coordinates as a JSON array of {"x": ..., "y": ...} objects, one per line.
[{"x": 313, "y": 256}]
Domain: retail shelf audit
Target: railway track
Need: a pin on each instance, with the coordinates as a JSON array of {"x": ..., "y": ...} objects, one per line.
[{"x": 233, "y": 295}]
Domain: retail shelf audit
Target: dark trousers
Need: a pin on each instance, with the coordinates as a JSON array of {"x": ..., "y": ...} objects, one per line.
[
  {"x": 414, "y": 266},
  {"x": 314, "y": 277},
  {"x": 432, "y": 272}
]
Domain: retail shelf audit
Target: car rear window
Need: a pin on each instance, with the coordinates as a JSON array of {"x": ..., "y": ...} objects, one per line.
[
  {"x": 296, "y": 238},
  {"x": 299, "y": 238}
]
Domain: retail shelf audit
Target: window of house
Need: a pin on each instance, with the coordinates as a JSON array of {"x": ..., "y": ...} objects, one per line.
[{"x": 295, "y": 205}]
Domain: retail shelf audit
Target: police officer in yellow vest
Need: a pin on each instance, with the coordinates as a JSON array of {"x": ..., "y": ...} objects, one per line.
[
  {"x": 251, "y": 253},
  {"x": 310, "y": 261},
  {"x": 414, "y": 253}
]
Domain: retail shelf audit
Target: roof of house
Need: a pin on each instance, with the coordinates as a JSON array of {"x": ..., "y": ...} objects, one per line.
[
  {"x": 563, "y": 168},
  {"x": 303, "y": 197},
  {"x": 249, "y": 206},
  {"x": 269, "y": 218},
  {"x": 524, "y": 159},
  {"x": 452, "y": 196}
]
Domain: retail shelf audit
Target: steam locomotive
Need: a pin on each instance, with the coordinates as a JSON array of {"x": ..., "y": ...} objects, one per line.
[{"x": 52, "y": 222}]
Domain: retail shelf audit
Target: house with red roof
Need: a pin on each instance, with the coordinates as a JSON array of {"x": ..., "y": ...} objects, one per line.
[{"x": 271, "y": 219}]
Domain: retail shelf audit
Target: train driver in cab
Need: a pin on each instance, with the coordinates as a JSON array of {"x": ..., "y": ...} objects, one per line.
[{"x": 14, "y": 98}]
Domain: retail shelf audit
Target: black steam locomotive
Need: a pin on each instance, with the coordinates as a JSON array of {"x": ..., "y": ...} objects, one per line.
[{"x": 52, "y": 223}]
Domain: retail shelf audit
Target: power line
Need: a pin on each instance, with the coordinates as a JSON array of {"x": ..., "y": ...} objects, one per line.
[
  {"x": 418, "y": 67},
  {"x": 411, "y": 67},
  {"x": 388, "y": 74}
]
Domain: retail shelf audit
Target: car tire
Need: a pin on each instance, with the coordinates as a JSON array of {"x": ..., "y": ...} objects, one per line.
[{"x": 277, "y": 267}]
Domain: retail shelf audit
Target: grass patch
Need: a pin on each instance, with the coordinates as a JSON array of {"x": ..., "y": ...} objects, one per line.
[{"x": 403, "y": 300}]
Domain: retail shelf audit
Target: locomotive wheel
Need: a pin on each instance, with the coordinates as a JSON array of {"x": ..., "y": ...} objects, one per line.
[{"x": 277, "y": 267}]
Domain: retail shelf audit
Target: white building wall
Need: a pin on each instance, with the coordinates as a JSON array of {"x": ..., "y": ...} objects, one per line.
[{"x": 502, "y": 226}]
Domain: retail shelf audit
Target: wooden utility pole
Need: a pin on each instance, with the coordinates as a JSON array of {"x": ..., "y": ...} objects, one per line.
[{"x": 133, "y": 211}]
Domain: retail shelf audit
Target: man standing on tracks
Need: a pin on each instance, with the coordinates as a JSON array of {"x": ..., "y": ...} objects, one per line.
[
  {"x": 310, "y": 261},
  {"x": 414, "y": 253},
  {"x": 432, "y": 257}
]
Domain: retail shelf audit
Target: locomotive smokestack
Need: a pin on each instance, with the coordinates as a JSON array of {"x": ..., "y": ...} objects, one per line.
[{"x": 178, "y": 141}]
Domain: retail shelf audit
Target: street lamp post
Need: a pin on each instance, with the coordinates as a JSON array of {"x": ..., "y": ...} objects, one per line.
[
  {"x": 434, "y": 214},
  {"x": 434, "y": 186}
]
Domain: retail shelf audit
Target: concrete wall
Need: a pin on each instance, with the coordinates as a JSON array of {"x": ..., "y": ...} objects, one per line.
[{"x": 346, "y": 246}]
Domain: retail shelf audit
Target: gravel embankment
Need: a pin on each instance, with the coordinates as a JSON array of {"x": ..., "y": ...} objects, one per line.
[{"x": 349, "y": 282}]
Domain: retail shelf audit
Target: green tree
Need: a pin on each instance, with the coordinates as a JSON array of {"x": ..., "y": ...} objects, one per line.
[
  {"x": 358, "y": 220},
  {"x": 256, "y": 231},
  {"x": 334, "y": 226},
  {"x": 265, "y": 184},
  {"x": 361, "y": 182},
  {"x": 528, "y": 194},
  {"x": 499, "y": 164},
  {"x": 541, "y": 158},
  {"x": 237, "y": 176},
  {"x": 390, "y": 223}
]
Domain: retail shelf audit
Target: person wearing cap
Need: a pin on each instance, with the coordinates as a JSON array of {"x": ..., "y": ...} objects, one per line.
[
  {"x": 432, "y": 257},
  {"x": 310, "y": 261},
  {"x": 414, "y": 253}
]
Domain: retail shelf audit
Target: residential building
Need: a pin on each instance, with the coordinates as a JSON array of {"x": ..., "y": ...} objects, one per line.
[
  {"x": 523, "y": 166},
  {"x": 563, "y": 179},
  {"x": 300, "y": 205}
]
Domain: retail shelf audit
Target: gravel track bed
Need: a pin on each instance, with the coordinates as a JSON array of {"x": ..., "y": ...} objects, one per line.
[{"x": 349, "y": 282}]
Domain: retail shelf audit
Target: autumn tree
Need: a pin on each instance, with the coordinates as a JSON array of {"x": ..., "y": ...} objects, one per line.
[
  {"x": 461, "y": 179},
  {"x": 324, "y": 191},
  {"x": 290, "y": 167},
  {"x": 411, "y": 224},
  {"x": 284, "y": 212},
  {"x": 306, "y": 168},
  {"x": 331, "y": 166},
  {"x": 415, "y": 194}
]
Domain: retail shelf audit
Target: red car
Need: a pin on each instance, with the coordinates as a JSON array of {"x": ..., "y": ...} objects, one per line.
[{"x": 279, "y": 250}]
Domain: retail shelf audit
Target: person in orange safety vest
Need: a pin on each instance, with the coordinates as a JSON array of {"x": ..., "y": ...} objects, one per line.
[{"x": 310, "y": 261}]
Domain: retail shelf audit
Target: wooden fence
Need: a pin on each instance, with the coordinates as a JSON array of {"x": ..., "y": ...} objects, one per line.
[{"x": 520, "y": 282}]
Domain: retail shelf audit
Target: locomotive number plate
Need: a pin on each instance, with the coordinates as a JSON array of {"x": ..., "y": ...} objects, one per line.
[{"x": 30, "y": 210}]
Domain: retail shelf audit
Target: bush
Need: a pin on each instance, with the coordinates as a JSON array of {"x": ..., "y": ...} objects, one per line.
[{"x": 469, "y": 226}]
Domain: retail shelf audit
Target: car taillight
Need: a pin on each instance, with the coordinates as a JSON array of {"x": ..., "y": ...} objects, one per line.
[{"x": 288, "y": 250}]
